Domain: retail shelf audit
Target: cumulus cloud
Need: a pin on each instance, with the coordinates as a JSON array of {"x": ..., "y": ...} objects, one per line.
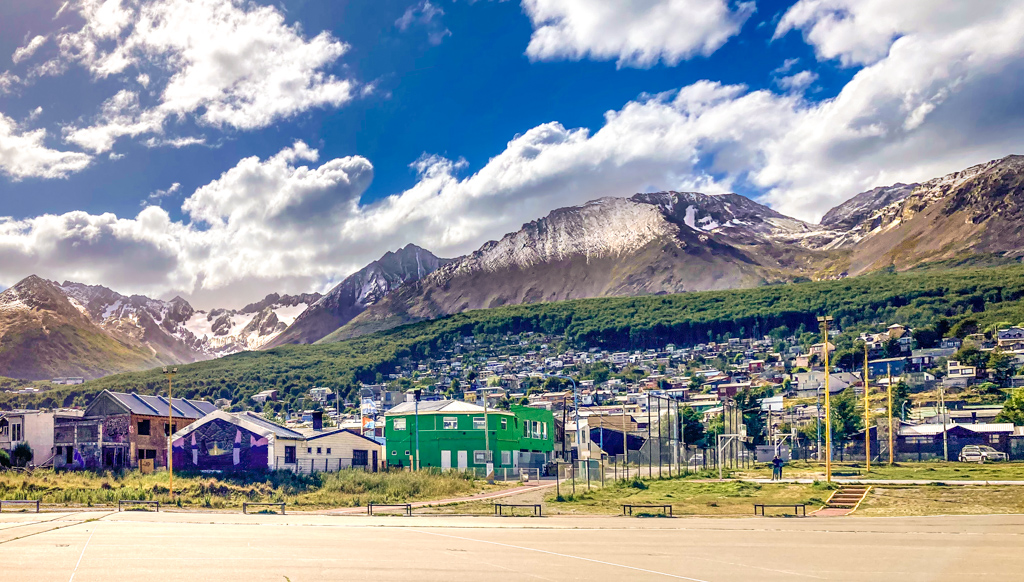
[
  {"x": 229, "y": 64},
  {"x": 797, "y": 82},
  {"x": 8, "y": 81},
  {"x": 23, "y": 154},
  {"x": 635, "y": 33},
  {"x": 25, "y": 52},
  {"x": 427, "y": 16},
  {"x": 938, "y": 99}
]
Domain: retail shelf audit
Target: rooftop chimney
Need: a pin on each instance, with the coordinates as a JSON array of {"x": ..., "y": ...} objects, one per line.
[{"x": 318, "y": 420}]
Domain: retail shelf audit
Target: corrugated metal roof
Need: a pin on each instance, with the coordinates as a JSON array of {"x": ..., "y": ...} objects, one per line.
[
  {"x": 442, "y": 406},
  {"x": 278, "y": 430},
  {"x": 934, "y": 429},
  {"x": 157, "y": 405}
]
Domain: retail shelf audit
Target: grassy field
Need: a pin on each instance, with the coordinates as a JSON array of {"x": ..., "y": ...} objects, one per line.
[
  {"x": 930, "y": 470},
  {"x": 892, "y": 501},
  {"x": 687, "y": 497},
  {"x": 343, "y": 489}
]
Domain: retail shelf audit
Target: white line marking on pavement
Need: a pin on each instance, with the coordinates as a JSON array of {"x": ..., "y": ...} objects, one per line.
[
  {"x": 82, "y": 555},
  {"x": 557, "y": 554}
]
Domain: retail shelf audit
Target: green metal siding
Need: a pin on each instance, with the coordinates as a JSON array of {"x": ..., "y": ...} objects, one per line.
[{"x": 434, "y": 438}]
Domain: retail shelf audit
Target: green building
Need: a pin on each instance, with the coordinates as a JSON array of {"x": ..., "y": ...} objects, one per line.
[{"x": 451, "y": 436}]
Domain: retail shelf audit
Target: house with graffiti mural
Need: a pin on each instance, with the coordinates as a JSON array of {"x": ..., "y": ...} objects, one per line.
[
  {"x": 119, "y": 430},
  {"x": 246, "y": 441}
]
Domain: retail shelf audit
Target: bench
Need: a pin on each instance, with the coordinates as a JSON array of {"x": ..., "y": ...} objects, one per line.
[
  {"x": 19, "y": 502},
  {"x": 798, "y": 508},
  {"x": 665, "y": 509},
  {"x": 406, "y": 506},
  {"x": 121, "y": 502},
  {"x": 500, "y": 507},
  {"x": 246, "y": 504}
]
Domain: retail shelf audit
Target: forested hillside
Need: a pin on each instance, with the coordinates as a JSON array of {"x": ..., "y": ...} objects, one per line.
[{"x": 983, "y": 297}]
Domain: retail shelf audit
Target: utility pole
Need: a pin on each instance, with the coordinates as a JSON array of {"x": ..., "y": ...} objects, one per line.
[
  {"x": 650, "y": 471},
  {"x": 828, "y": 412},
  {"x": 889, "y": 369},
  {"x": 942, "y": 405},
  {"x": 867, "y": 415},
  {"x": 170, "y": 446},
  {"x": 418, "y": 393},
  {"x": 488, "y": 463},
  {"x": 625, "y": 438}
]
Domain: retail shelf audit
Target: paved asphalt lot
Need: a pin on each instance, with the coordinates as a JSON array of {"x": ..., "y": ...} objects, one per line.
[{"x": 192, "y": 547}]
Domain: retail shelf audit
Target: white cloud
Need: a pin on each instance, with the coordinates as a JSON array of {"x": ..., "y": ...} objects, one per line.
[
  {"x": 7, "y": 82},
  {"x": 25, "y": 52},
  {"x": 636, "y": 33},
  {"x": 230, "y": 64},
  {"x": 934, "y": 102},
  {"x": 170, "y": 191},
  {"x": 798, "y": 82},
  {"x": 428, "y": 16},
  {"x": 23, "y": 154}
]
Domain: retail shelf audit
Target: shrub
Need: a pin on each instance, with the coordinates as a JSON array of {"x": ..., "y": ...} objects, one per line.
[
  {"x": 5, "y": 459},
  {"x": 21, "y": 455}
]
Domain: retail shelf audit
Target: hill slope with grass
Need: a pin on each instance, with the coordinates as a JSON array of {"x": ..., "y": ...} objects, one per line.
[{"x": 987, "y": 296}]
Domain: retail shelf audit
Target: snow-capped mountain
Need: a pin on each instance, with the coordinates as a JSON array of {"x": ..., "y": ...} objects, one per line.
[
  {"x": 358, "y": 291},
  {"x": 224, "y": 331},
  {"x": 44, "y": 333}
]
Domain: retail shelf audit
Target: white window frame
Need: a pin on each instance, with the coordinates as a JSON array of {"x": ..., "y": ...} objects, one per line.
[
  {"x": 506, "y": 457},
  {"x": 504, "y": 424},
  {"x": 398, "y": 424},
  {"x": 479, "y": 423},
  {"x": 450, "y": 423},
  {"x": 479, "y": 457}
]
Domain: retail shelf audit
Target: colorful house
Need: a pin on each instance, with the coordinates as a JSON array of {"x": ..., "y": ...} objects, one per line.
[
  {"x": 451, "y": 436},
  {"x": 119, "y": 430},
  {"x": 245, "y": 441}
]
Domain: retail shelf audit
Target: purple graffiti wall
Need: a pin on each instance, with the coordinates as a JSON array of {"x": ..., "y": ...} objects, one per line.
[{"x": 221, "y": 446}]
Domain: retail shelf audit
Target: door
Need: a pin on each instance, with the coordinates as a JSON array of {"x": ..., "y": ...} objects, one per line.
[
  {"x": 446, "y": 460},
  {"x": 463, "y": 460},
  {"x": 374, "y": 460}
]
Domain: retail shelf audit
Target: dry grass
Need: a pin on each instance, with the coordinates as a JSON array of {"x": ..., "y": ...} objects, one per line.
[
  {"x": 343, "y": 489},
  {"x": 943, "y": 500},
  {"x": 926, "y": 470}
]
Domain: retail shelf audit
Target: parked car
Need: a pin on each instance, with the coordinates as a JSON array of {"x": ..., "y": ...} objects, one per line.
[
  {"x": 990, "y": 454},
  {"x": 971, "y": 454},
  {"x": 980, "y": 454}
]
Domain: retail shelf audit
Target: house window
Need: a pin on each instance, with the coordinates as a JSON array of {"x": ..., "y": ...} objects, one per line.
[
  {"x": 309, "y": 450},
  {"x": 147, "y": 453},
  {"x": 478, "y": 423},
  {"x": 920, "y": 440},
  {"x": 526, "y": 429},
  {"x": 544, "y": 430},
  {"x": 479, "y": 457},
  {"x": 169, "y": 429},
  {"x": 993, "y": 439},
  {"x": 318, "y": 450},
  {"x": 359, "y": 458},
  {"x": 506, "y": 457},
  {"x": 451, "y": 423},
  {"x": 15, "y": 433},
  {"x": 504, "y": 423},
  {"x": 398, "y": 424},
  {"x": 328, "y": 450},
  {"x": 143, "y": 428},
  {"x": 289, "y": 455}
]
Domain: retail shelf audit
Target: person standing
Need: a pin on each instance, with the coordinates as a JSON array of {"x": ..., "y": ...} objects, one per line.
[{"x": 776, "y": 468}]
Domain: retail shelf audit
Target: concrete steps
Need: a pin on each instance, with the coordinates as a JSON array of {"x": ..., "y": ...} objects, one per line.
[{"x": 844, "y": 500}]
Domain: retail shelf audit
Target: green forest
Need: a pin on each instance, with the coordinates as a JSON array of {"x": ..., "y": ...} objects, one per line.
[{"x": 960, "y": 301}]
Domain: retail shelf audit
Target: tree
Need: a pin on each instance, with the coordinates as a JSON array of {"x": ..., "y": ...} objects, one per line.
[
  {"x": 21, "y": 455},
  {"x": 692, "y": 427},
  {"x": 1000, "y": 364},
  {"x": 926, "y": 337},
  {"x": 892, "y": 348},
  {"x": 846, "y": 420},
  {"x": 965, "y": 327},
  {"x": 695, "y": 382},
  {"x": 5, "y": 459},
  {"x": 970, "y": 356},
  {"x": 1013, "y": 409},
  {"x": 746, "y": 401}
]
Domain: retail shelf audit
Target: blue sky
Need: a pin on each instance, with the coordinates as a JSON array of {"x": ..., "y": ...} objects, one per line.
[{"x": 473, "y": 117}]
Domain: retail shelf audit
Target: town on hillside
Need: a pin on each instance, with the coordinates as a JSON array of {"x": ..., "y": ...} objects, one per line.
[{"x": 932, "y": 393}]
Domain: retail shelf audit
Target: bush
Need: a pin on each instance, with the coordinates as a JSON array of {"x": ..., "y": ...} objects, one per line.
[
  {"x": 21, "y": 455},
  {"x": 5, "y": 459}
]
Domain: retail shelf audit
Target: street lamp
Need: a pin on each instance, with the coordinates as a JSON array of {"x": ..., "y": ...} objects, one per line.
[
  {"x": 170, "y": 447},
  {"x": 824, "y": 321},
  {"x": 576, "y": 405}
]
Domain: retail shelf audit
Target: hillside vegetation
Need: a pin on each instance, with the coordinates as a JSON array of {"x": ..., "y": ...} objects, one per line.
[{"x": 989, "y": 296}]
